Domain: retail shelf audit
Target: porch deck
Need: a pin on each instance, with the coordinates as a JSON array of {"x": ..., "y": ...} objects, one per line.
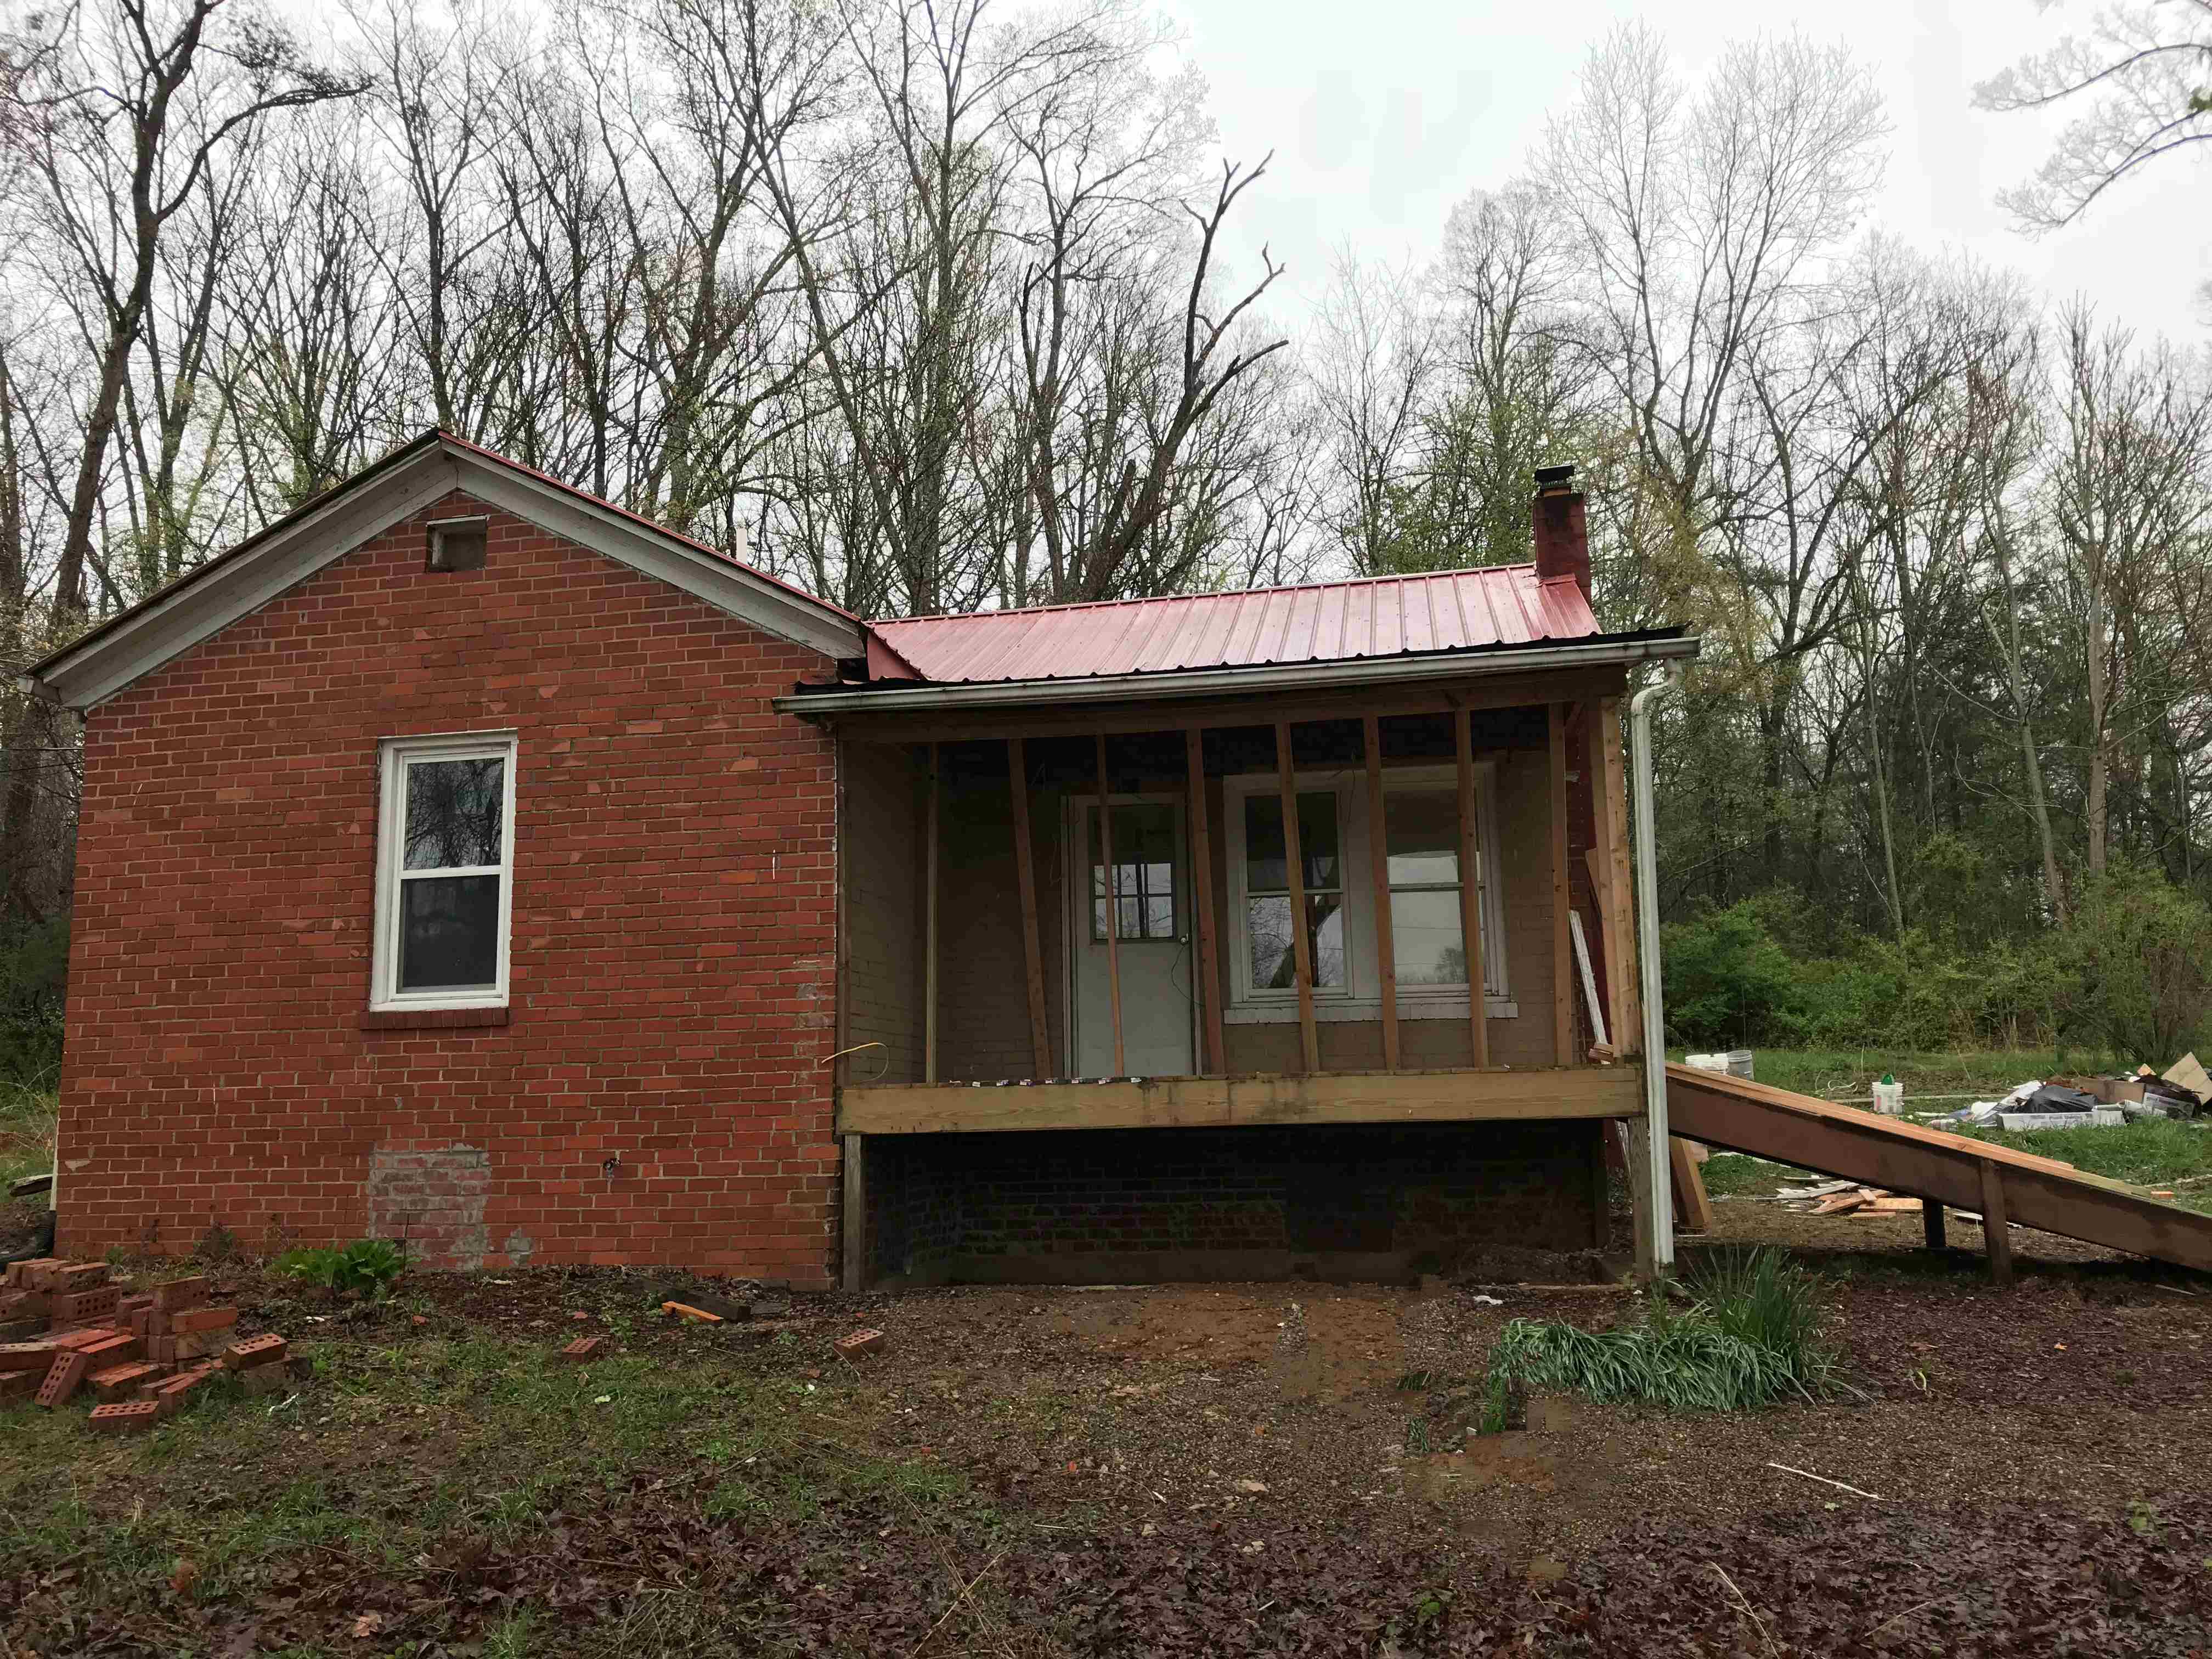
[{"x": 1463, "y": 1095}]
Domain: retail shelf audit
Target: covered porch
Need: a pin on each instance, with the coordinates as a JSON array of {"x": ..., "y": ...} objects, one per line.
[{"x": 1237, "y": 916}]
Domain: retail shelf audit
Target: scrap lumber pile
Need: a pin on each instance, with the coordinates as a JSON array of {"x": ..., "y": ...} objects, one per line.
[
  {"x": 66, "y": 1328},
  {"x": 1846, "y": 1197}
]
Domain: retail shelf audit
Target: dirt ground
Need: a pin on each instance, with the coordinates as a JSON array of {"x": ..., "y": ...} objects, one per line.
[{"x": 1254, "y": 1468}]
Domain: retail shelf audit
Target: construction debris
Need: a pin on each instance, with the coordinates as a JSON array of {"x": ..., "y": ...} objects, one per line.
[
  {"x": 141, "y": 1355},
  {"x": 859, "y": 1343}
]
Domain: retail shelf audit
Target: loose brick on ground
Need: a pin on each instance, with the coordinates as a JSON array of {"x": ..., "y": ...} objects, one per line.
[
  {"x": 267, "y": 1350},
  {"x": 19, "y": 1385},
  {"x": 178, "y": 1294},
  {"x": 81, "y": 1276},
  {"x": 26, "y": 1356},
  {"x": 201, "y": 1318},
  {"x": 120, "y": 1381},
  {"x": 581, "y": 1349},
  {"x": 860, "y": 1342},
  {"x": 62, "y": 1379},
  {"x": 266, "y": 1379},
  {"x": 89, "y": 1304},
  {"x": 203, "y": 1345},
  {"x": 125, "y": 1417}
]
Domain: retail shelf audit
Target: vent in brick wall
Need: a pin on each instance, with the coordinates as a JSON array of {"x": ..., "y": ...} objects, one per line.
[{"x": 458, "y": 543}]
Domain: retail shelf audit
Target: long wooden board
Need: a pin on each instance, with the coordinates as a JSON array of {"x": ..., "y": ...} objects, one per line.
[{"x": 1501, "y": 1094}]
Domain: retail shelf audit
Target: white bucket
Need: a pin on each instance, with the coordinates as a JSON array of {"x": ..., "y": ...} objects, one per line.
[{"x": 1889, "y": 1097}]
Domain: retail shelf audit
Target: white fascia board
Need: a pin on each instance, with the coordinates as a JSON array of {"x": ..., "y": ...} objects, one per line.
[
  {"x": 726, "y": 586},
  {"x": 169, "y": 627},
  {"x": 1230, "y": 682}
]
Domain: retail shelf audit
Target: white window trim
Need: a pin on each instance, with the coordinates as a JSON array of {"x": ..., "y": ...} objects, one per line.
[
  {"x": 394, "y": 757},
  {"x": 1360, "y": 997}
]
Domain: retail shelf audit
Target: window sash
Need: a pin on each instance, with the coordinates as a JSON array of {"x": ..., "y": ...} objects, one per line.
[{"x": 395, "y": 881}]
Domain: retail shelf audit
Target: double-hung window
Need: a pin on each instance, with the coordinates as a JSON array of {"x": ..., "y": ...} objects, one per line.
[
  {"x": 1421, "y": 841},
  {"x": 445, "y": 872},
  {"x": 1271, "y": 951}
]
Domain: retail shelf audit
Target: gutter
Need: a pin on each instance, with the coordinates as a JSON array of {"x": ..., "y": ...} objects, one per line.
[
  {"x": 1657, "y": 1161},
  {"x": 1215, "y": 682}
]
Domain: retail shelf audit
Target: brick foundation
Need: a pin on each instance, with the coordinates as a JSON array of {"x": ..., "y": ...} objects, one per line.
[
  {"x": 673, "y": 963},
  {"x": 1228, "y": 1203}
]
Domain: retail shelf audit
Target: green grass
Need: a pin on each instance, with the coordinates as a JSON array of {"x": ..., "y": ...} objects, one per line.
[
  {"x": 1751, "y": 1337},
  {"x": 389, "y": 1454},
  {"x": 26, "y": 1132},
  {"x": 1848, "y": 1074},
  {"x": 2155, "y": 1152}
]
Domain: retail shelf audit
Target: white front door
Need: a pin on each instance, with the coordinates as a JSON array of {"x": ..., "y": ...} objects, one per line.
[{"x": 1153, "y": 927}]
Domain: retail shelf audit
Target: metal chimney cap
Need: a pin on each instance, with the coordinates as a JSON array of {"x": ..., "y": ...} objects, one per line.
[{"x": 1549, "y": 478}]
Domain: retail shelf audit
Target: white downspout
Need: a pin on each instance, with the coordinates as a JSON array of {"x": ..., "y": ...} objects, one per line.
[{"x": 1648, "y": 963}]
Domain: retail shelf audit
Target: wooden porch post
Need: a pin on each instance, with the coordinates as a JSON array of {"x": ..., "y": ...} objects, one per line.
[
  {"x": 1294, "y": 864},
  {"x": 853, "y": 1269},
  {"x": 1563, "y": 965},
  {"x": 1202, "y": 859},
  {"x": 1996, "y": 1232},
  {"x": 1625, "y": 990},
  {"x": 1386, "y": 956},
  {"x": 1113, "y": 909},
  {"x": 1470, "y": 886},
  {"x": 929, "y": 937},
  {"x": 1025, "y": 873}
]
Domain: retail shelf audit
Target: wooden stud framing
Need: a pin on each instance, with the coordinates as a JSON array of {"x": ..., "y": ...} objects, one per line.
[
  {"x": 1996, "y": 1231},
  {"x": 1625, "y": 990},
  {"x": 929, "y": 937},
  {"x": 1386, "y": 957},
  {"x": 1470, "y": 887},
  {"x": 1113, "y": 906},
  {"x": 1201, "y": 863},
  {"x": 1025, "y": 873},
  {"x": 1563, "y": 960},
  {"x": 1294, "y": 871}
]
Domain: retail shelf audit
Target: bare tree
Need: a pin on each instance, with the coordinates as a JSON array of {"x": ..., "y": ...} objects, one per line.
[{"x": 2142, "y": 75}]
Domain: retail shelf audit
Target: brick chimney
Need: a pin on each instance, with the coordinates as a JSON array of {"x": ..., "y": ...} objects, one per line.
[{"x": 1558, "y": 531}]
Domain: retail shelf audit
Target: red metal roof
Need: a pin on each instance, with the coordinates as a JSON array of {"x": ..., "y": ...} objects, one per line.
[{"x": 1502, "y": 604}]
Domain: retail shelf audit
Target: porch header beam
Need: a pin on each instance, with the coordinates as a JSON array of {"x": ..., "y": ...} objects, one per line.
[
  {"x": 873, "y": 723},
  {"x": 1520, "y": 1093}
]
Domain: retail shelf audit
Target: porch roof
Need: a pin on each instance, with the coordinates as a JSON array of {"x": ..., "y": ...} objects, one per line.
[{"x": 1498, "y": 607}]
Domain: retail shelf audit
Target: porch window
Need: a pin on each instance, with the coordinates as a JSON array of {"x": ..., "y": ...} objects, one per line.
[
  {"x": 445, "y": 863},
  {"x": 1422, "y": 831},
  {"x": 1271, "y": 956}
]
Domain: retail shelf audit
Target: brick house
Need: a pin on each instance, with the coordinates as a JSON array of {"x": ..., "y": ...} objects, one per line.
[{"x": 465, "y": 860}]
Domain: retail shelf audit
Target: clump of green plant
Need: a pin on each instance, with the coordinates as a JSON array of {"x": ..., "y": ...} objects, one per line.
[
  {"x": 367, "y": 1268},
  {"x": 1751, "y": 1336}
]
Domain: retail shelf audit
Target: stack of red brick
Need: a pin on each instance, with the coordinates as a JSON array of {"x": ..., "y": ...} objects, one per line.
[{"x": 141, "y": 1355}]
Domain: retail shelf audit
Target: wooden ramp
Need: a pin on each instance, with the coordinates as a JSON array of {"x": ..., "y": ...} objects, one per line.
[{"x": 2001, "y": 1183}]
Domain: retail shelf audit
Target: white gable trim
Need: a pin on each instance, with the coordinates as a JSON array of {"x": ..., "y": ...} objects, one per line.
[{"x": 170, "y": 625}]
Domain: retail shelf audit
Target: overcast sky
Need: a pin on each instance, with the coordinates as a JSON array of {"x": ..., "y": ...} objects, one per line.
[{"x": 1383, "y": 113}]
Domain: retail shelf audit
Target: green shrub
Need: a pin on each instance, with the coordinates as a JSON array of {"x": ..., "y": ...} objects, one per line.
[
  {"x": 1751, "y": 1337},
  {"x": 34, "y": 986},
  {"x": 366, "y": 1268},
  {"x": 1728, "y": 981}
]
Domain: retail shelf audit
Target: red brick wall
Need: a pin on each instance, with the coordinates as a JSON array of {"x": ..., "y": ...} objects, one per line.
[{"x": 673, "y": 981}]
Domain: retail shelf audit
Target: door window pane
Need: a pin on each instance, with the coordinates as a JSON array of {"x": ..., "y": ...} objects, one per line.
[
  {"x": 1423, "y": 838},
  {"x": 1266, "y": 867},
  {"x": 1426, "y": 938},
  {"x": 448, "y": 933},
  {"x": 1144, "y": 871},
  {"x": 456, "y": 812}
]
